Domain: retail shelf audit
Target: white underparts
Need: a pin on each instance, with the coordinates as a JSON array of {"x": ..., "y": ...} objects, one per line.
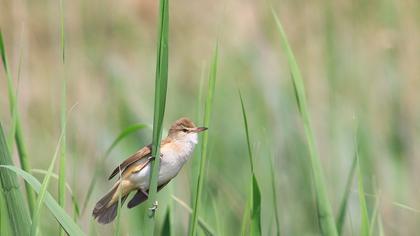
[{"x": 173, "y": 159}]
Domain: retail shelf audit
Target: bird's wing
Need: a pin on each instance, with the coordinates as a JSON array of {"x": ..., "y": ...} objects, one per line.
[
  {"x": 142, "y": 154},
  {"x": 141, "y": 157}
]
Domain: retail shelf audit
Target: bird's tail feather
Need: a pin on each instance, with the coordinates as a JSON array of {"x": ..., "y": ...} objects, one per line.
[{"x": 105, "y": 209}]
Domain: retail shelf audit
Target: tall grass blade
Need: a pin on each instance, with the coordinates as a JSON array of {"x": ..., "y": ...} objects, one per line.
[
  {"x": 217, "y": 217},
  {"x": 166, "y": 228},
  {"x": 59, "y": 213},
  {"x": 127, "y": 131},
  {"x": 63, "y": 148},
  {"x": 364, "y": 228},
  {"x": 256, "y": 208},
  {"x": 381, "y": 227},
  {"x": 255, "y": 199},
  {"x": 195, "y": 165},
  {"x": 207, "y": 115},
  {"x": 343, "y": 206},
  {"x": 4, "y": 220},
  {"x": 18, "y": 215},
  {"x": 275, "y": 203},
  {"x": 159, "y": 109},
  {"x": 12, "y": 134},
  {"x": 246, "y": 218},
  {"x": 43, "y": 190},
  {"x": 375, "y": 215},
  {"x": 325, "y": 216},
  {"x": 23, "y": 154}
]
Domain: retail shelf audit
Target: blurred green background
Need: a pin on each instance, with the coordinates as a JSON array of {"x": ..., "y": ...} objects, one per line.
[{"x": 359, "y": 60}]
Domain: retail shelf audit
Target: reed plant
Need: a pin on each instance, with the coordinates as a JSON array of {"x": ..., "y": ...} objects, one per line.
[
  {"x": 159, "y": 111},
  {"x": 204, "y": 142},
  {"x": 325, "y": 216}
]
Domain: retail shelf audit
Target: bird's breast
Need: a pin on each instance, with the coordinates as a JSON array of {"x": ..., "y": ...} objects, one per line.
[{"x": 173, "y": 158}]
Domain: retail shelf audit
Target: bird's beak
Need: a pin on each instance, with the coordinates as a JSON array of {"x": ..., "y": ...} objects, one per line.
[{"x": 199, "y": 129}]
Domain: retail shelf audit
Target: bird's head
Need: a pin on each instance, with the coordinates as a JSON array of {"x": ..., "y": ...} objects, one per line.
[{"x": 185, "y": 130}]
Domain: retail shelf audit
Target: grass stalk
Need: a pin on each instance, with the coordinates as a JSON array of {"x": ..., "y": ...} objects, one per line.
[
  {"x": 364, "y": 229},
  {"x": 59, "y": 213},
  {"x": 255, "y": 197},
  {"x": 43, "y": 191},
  {"x": 20, "y": 143},
  {"x": 325, "y": 216},
  {"x": 12, "y": 135},
  {"x": 245, "y": 217},
  {"x": 159, "y": 110},
  {"x": 63, "y": 120},
  {"x": 343, "y": 206},
  {"x": 166, "y": 228},
  {"x": 275, "y": 200},
  {"x": 204, "y": 144},
  {"x": 195, "y": 166},
  {"x": 18, "y": 216},
  {"x": 375, "y": 214},
  {"x": 4, "y": 220}
]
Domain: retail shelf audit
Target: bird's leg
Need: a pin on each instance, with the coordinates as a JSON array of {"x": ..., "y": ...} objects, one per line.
[
  {"x": 144, "y": 192},
  {"x": 155, "y": 204}
]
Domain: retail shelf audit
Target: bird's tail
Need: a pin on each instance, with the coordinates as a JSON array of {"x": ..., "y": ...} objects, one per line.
[{"x": 105, "y": 209}]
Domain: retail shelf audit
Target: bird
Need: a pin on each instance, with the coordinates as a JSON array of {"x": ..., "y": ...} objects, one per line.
[{"x": 133, "y": 173}]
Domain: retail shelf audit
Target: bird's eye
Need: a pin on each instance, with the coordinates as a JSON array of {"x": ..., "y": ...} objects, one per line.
[{"x": 184, "y": 130}]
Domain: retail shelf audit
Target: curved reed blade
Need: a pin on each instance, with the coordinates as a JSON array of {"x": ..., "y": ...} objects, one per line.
[
  {"x": 325, "y": 216},
  {"x": 255, "y": 197},
  {"x": 59, "y": 213}
]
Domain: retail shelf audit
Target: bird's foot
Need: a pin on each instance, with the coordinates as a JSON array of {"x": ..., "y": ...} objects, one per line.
[
  {"x": 154, "y": 207},
  {"x": 152, "y": 158}
]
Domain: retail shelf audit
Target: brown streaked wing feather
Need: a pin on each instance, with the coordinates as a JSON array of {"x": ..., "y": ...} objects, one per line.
[{"x": 144, "y": 152}]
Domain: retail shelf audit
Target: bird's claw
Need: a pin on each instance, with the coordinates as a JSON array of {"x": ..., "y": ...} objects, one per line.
[
  {"x": 154, "y": 206},
  {"x": 152, "y": 158}
]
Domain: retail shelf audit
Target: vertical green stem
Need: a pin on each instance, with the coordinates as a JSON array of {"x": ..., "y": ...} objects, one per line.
[
  {"x": 19, "y": 220},
  {"x": 159, "y": 110},
  {"x": 207, "y": 116},
  {"x": 63, "y": 148},
  {"x": 23, "y": 154}
]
